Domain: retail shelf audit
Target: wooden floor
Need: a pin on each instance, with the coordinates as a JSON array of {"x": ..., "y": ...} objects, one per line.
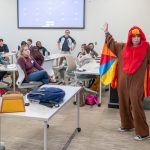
[{"x": 99, "y": 131}]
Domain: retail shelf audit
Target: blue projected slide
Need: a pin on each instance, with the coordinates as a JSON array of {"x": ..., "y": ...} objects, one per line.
[{"x": 51, "y": 13}]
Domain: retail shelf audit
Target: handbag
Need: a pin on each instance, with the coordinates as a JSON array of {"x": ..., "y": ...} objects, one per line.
[
  {"x": 12, "y": 102},
  {"x": 91, "y": 100}
]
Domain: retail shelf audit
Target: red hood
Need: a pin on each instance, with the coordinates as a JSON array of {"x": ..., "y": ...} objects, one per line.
[{"x": 134, "y": 56}]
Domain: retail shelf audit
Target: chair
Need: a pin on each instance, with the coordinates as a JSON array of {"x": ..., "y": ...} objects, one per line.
[
  {"x": 71, "y": 64},
  {"x": 20, "y": 80},
  {"x": 71, "y": 67},
  {"x": 59, "y": 69},
  {"x": 70, "y": 72},
  {"x": 47, "y": 65}
]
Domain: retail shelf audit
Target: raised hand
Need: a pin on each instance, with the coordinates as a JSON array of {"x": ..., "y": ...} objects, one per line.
[{"x": 105, "y": 27}]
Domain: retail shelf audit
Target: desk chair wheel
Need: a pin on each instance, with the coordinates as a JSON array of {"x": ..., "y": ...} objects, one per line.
[
  {"x": 79, "y": 129},
  {"x": 47, "y": 125},
  {"x": 75, "y": 103},
  {"x": 99, "y": 105}
]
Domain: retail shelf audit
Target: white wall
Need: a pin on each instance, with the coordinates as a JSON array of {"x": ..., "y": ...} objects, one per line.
[{"x": 120, "y": 14}]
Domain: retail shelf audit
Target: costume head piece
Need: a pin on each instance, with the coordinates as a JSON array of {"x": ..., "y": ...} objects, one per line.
[
  {"x": 135, "y": 32},
  {"x": 133, "y": 57}
]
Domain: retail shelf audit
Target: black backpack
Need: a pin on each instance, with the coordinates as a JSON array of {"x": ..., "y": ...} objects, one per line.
[{"x": 49, "y": 96}]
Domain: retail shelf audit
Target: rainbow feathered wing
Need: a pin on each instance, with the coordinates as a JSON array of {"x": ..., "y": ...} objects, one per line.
[{"x": 108, "y": 67}]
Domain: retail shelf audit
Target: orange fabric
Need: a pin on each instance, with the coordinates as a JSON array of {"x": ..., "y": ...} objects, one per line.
[
  {"x": 147, "y": 82},
  {"x": 107, "y": 51},
  {"x": 134, "y": 56}
]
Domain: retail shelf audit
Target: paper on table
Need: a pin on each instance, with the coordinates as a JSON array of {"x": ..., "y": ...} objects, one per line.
[{"x": 11, "y": 66}]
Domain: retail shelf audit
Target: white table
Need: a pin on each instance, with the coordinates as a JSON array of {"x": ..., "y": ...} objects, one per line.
[
  {"x": 11, "y": 55},
  {"x": 91, "y": 68},
  {"x": 49, "y": 63},
  {"x": 44, "y": 114},
  {"x": 55, "y": 56},
  {"x": 49, "y": 60},
  {"x": 10, "y": 68}
]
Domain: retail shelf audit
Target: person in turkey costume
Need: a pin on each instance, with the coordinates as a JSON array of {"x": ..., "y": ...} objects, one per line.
[{"x": 133, "y": 59}]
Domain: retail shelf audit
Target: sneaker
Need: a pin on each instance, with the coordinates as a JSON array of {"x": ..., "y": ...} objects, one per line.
[
  {"x": 140, "y": 138},
  {"x": 125, "y": 129}
]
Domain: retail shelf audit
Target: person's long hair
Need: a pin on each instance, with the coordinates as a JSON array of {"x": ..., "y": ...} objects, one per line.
[{"x": 21, "y": 50}]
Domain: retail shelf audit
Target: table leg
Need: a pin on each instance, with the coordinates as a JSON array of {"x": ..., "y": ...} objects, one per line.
[
  {"x": 100, "y": 93},
  {"x": 78, "y": 111},
  {"x": 45, "y": 135},
  {"x": 14, "y": 80}
]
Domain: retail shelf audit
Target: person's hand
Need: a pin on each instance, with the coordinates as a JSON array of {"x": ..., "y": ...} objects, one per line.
[
  {"x": 71, "y": 49},
  {"x": 105, "y": 27}
]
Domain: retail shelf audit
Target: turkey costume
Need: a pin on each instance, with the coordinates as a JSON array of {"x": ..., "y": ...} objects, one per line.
[{"x": 132, "y": 65}]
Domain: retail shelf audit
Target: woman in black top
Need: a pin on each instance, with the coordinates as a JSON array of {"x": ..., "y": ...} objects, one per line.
[{"x": 42, "y": 49}]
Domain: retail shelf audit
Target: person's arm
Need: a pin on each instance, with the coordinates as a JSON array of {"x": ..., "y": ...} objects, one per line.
[
  {"x": 6, "y": 48},
  {"x": 74, "y": 44},
  {"x": 113, "y": 45},
  {"x": 86, "y": 56},
  {"x": 58, "y": 43},
  {"x": 95, "y": 53},
  {"x": 21, "y": 62},
  {"x": 45, "y": 50},
  {"x": 36, "y": 65}
]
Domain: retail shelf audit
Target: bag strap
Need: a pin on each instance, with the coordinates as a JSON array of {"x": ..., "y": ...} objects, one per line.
[
  {"x": 96, "y": 100},
  {"x": 13, "y": 92}
]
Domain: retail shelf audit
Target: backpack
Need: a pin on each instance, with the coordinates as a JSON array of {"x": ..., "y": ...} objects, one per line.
[
  {"x": 91, "y": 100},
  {"x": 48, "y": 96}
]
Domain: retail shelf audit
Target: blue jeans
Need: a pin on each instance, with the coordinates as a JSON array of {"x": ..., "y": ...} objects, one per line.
[{"x": 40, "y": 75}]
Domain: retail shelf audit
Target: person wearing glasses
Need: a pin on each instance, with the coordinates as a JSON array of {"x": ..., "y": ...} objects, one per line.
[{"x": 133, "y": 60}]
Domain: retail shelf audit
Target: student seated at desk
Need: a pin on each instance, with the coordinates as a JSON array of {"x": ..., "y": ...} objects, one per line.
[
  {"x": 42, "y": 49},
  {"x": 93, "y": 53},
  {"x": 33, "y": 71},
  {"x": 2, "y": 73},
  {"x": 29, "y": 42},
  {"x": 82, "y": 51},
  {"x": 85, "y": 58},
  {"x": 2, "y": 62},
  {"x": 3, "y": 47},
  {"x": 23, "y": 43},
  {"x": 35, "y": 53}
]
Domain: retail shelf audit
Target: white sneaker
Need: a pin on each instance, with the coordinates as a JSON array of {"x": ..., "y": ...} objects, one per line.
[
  {"x": 125, "y": 129},
  {"x": 140, "y": 138}
]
